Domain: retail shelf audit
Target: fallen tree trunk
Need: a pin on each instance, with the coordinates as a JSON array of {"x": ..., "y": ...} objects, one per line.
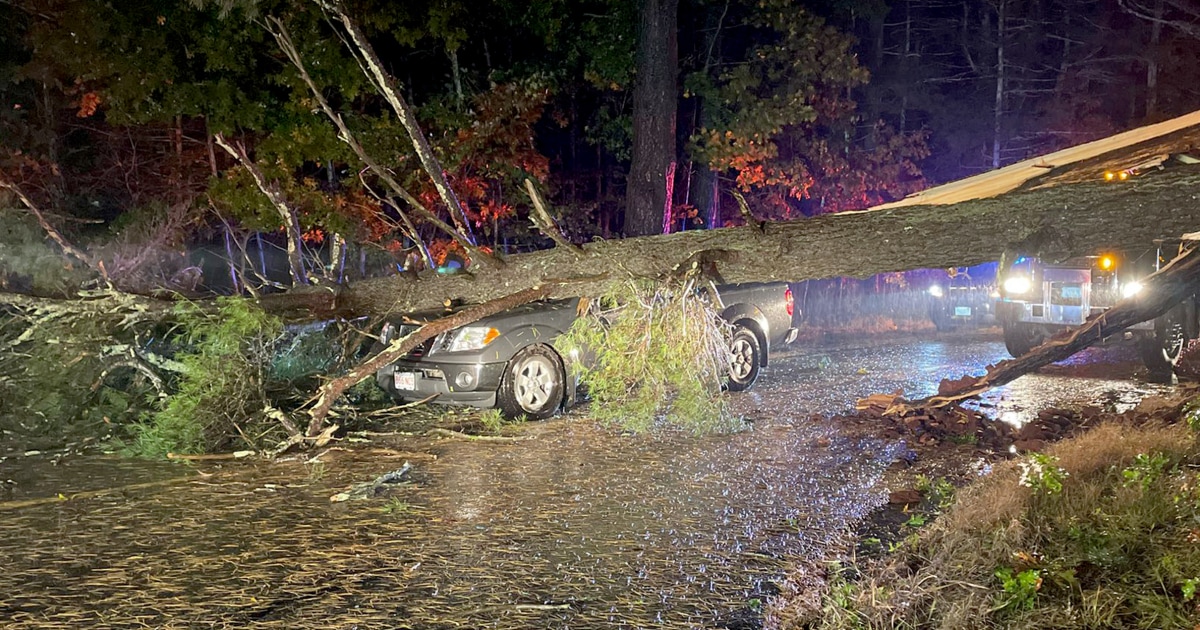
[
  {"x": 1064, "y": 221},
  {"x": 1161, "y": 292}
]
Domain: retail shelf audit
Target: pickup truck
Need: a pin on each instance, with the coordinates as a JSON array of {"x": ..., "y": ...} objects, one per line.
[
  {"x": 959, "y": 301},
  {"x": 509, "y": 360}
]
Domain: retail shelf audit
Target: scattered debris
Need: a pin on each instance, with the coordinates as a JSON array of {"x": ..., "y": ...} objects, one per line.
[{"x": 371, "y": 489}]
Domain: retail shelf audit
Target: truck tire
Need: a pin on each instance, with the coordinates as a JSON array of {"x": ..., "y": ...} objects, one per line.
[
  {"x": 1020, "y": 337},
  {"x": 745, "y": 359},
  {"x": 532, "y": 385},
  {"x": 1161, "y": 351}
]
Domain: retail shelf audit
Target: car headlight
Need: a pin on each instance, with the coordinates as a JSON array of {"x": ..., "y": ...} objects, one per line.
[
  {"x": 1017, "y": 285},
  {"x": 936, "y": 290},
  {"x": 472, "y": 338},
  {"x": 1131, "y": 289}
]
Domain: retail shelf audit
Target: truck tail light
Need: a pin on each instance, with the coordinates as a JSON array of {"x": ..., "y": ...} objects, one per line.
[{"x": 789, "y": 301}]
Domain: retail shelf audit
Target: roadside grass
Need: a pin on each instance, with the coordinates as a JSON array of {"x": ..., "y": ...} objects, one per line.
[
  {"x": 660, "y": 357},
  {"x": 1103, "y": 531}
]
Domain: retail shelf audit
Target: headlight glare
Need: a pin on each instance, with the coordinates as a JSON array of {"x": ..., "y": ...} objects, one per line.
[
  {"x": 936, "y": 290},
  {"x": 472, "y": 338},
  {"x": 1017, "y": 285},
  {"x": 1131, "y": 289}
]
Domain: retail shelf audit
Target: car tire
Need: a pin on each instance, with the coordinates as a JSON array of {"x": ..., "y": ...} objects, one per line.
[
  {"x": 532, "y": 385},
  {"x": 1161, "y": 351},
  {"x": 1020, "y": 338},
  {"x": 745, "y": 359}
]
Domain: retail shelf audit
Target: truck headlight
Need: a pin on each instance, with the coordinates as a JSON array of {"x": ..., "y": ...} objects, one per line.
[
  {"x": 472, "y": 338},
  {"x": 936, "y": 290},
  {"x": 1017, "y": 285},
  {"x": 1131, "y": 289}
]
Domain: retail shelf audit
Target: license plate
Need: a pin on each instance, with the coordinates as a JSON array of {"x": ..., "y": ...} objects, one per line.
[
  {"x": 962, "y": 311},
  {"x": 405, "y": 380}
]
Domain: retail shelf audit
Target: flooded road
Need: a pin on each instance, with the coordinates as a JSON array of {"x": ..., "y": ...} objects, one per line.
[{"x": 575, "y": 526}]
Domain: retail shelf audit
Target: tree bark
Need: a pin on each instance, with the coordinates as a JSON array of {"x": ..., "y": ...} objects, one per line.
[
  {"x": 1063, "y": 221},
  {"x": 654, "y": 107}
]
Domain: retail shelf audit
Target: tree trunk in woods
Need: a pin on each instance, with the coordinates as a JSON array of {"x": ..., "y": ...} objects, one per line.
[
  {"x": 1063, "y": 221},
  {"x": 998, "y": 113},
  {"x": 654, "y": 106},
  {"x": 1152, "y": 62},
  {"x": 1161, "y": 292}
]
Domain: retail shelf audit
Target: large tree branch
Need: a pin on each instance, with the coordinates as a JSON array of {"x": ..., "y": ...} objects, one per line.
[
  {"x": 286, "y": 214},
  {"x": 1066, "y": 220}
]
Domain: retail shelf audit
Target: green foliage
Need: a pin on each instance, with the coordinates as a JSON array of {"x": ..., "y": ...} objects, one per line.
[
  {"x": 781, "y": 120},
  {"x": 1019, "y": 589},
  {"x": 660, "y": 356},
  {"x": 1191, "y": 413},
  {"x": 939, "y": 491},
  {"x": 51, "y": 390},
  {"x": 1146, "y": 469},
  {"x": 492, "y": 420},
  {"x": 220, "y": 397},
  {"x": 1040, "y": 473},
  {"x": 397, "y": 507}
]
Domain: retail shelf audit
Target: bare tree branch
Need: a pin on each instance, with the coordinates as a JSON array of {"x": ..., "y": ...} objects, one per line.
[
  {"x": 53, "y": 233},
  {"x": 391, "y": 92},
  {"x": 545, "y": 222},
  {"x": 284, "y": 39}
]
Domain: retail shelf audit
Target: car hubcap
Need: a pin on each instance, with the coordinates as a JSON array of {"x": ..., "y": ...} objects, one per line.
[
  {"x": 534, "y": 384},
  {"x": 742, "y": 361}
]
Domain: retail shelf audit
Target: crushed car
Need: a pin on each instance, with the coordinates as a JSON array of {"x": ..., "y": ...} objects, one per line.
[{"x": 509, "y": 360}]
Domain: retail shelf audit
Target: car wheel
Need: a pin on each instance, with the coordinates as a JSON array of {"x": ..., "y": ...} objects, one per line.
[
  {"x": 745, "y": 359},
  {"x": 532, "y": 385},
  {"x": 1020, "y": 338},
  {"x": 1161, "y": 351}
]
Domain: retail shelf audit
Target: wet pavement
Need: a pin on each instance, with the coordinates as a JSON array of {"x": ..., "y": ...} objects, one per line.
[{"x": 575, "y": 526}]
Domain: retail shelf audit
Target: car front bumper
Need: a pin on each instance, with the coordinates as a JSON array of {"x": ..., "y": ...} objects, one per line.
[{"x": 471, "y": 384}]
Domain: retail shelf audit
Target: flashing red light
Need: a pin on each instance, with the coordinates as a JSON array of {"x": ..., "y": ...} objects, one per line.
[{"x": 790, "y": 301}]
